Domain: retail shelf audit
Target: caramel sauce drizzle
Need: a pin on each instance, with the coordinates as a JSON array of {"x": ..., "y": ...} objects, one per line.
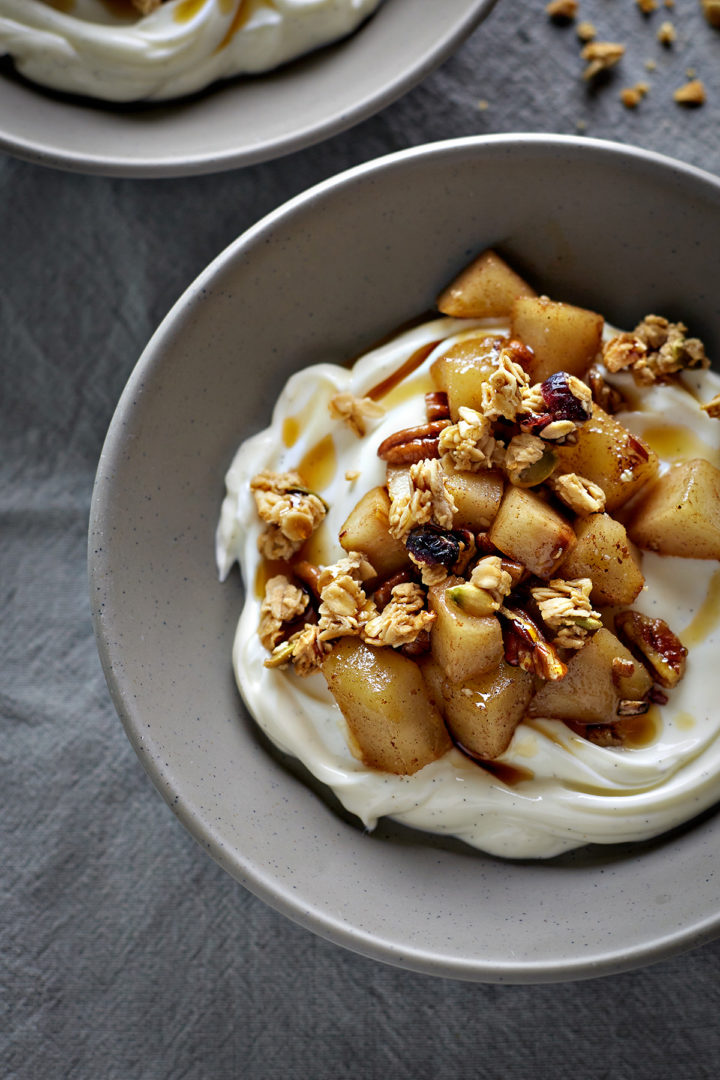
[
  {"x": 243, "y": 13},
  {"x": 412, "y": 363},
  {"x": 706, "y": 618}
]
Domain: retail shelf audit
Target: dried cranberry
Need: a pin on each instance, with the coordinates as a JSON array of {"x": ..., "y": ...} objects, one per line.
[
  {"x": 560, "y": 400},
  {"x": 434, "y": 546}
]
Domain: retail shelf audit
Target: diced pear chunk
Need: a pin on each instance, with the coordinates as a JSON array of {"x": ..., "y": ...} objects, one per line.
[
  {"x": 464, "y": 367},
  {"x": 530, "y": 531},
  {"x": 463, "y": 645},
  {"x": 563, "y": 337},
  {"x": 609, "y": 455},
  {"x": 385, "y": 702},
  {"x": 477, "y": 496},
  {"x": 591, "y": 692},
  {"x": 485, "y": 288},
  {"x": 366, "y": 531},
  {"x": 483, "y": 712},
  {"x": 680, "y": 514},
  {"x": 605, "y": 555}
]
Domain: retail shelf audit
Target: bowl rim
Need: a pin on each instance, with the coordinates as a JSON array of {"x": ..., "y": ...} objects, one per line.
[
  {"x": 258, "y": 879},
  {"x": 176, "y": 164}
]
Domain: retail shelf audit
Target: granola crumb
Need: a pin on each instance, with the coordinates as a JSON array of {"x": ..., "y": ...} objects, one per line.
[
  {"x": 601, "y": 56},
  {"x": 711, "y": 11},
  {"x": 647, "y": 6},
  {"x": 630, "y": 97},
  {"x": 469, "y": 445},
  {"x": 581, "y": 495},
  {"x": 566, "y": 610},
  {"x": 352, "y": 475},
  {"x": 692, "y": 93},
  {"x": 667, "y": 35},
  {"x": 283, "y": 602},
  {"x": 650, "y": 65},
  {"x": 581, "y": 125},
  {"x": 402, "y": 620},
  {"x": 425, "y": 497},
  {"x": 690, "y": 73},
  {"x": 562, "y": 9},
  {"x": 354, "y": 411},
  {"x": 586, "y": 30},
  {"x": 483, "y": 105}
]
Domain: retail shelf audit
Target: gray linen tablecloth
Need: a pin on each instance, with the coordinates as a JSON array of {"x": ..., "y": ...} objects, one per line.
[{"x": 125, "y": 951}]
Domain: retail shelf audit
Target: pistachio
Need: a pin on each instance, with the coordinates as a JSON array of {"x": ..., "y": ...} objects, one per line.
[{"x": 471, "y": 599}]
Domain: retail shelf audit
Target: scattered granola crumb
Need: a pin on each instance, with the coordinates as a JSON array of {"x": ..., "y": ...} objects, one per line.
[
  {"x": 290, "y": 511},
  {"x": 351, "y": 475},
  {"x": 630, "y": 97},
  {"x": 690, "y": 73},
  {"x": 667, "y": 34},
  {"x": 470, "y": 445},
  {"x": 489, "y": 575},
  {"x": 586, "y": 31},
  {"x": 670, "y": 4},
  {"x": 562, "y": 9},
  {"x": 654, "y": 350},
  {"x": 426, "y": 498},
  {"x": 483, "y": 105},
  {"x": 581, "y": 495},
  {"x": 711, "y": 11},
  {"x": 566, "y": 610},
  {"x": 522, "y": 452},
  {"x": 581, "y": 125},
  {"x": 402, "y": 620},
  {"x": 601, "y": 56},
  {"x": 650, "y": 65},
  {"x": 354, "y": 411},
  {"x": 692, "y": 93},
  {"x": 647, "y": 6},
  {"x": 283, "y": 602}
]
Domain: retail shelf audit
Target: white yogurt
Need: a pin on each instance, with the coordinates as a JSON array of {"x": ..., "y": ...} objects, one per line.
[
  {"x": 578, "y": 793},
  {"x": 106, "y": 49}
]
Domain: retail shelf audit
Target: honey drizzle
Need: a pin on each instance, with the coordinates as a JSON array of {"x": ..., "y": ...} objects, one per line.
[
  {"x": 66, "y": 6},
  {"x": 319, "y": 465},
  {"x": 675, "y": 443},
  {"x": 243, "y": 13},
  {"x": 188, "y": 9},
  {"x": 707, "y": 616},
  {"x": 511, "y": 775},
  {"x": 412, "y": 363},
  {"x": 290, "y": 431}
]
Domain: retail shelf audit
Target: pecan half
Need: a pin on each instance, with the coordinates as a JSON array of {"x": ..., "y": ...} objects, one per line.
[
  {"x": 653, "y": 642},
  {"x": 436, "y": 405},
  {"x": 604, "y": 395},
  {"x": 412, "y": 444},
  {"x": 526, "y": 647}
]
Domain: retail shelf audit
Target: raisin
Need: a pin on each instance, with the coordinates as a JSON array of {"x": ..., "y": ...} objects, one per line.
[
  {"x": 560, "y": 400},
  {"x": 434, "y": 546}
]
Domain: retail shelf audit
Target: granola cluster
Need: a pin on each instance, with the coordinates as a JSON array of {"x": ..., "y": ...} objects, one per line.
[
  {"x": 290, "y": 511},
  {"x": 655, "y": 350}
]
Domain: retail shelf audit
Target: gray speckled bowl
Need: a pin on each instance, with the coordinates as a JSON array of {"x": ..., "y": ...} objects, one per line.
[
  {"x": 322, "y": 278},
  {"x": 244, "y": 120}
]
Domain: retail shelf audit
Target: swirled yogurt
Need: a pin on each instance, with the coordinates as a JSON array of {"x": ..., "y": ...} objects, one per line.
[
  {"x": 551, "y": 790},
  {"x": 106, "y": 49}
]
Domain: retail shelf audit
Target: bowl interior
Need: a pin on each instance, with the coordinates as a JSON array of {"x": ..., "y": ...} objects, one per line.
[
  {"x": 322, "y": 279},
  {"x": 244, "y": 120}
]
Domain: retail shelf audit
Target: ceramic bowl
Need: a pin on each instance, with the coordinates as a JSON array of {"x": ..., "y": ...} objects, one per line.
[
  {"x": 241, "y": 121},
  {"x": 322, "y": 278}
]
